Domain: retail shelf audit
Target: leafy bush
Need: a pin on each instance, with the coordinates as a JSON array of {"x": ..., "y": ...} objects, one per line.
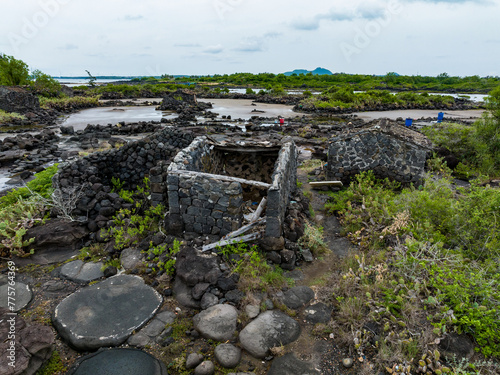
[
  {"x": 447, "y": 245},
  {"x": 12, "y": 71},
  {"x": 22, "y": 208},
  {"x": 44, "y": 85}
]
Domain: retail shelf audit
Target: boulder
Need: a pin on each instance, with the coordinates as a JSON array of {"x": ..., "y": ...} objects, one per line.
[
  {"x": 290, "y": 365},
  {"x": 318, "y": 313},
  {"x": 183, "y": 294},
  {"x": 227, "y": 355},
  {"x": 205, "y": 368},
  {"x": 268, "y": 330},
  {"x": 193, "y": 269},
  {"x": 106, "y": 313},
  {"x": 217, "y": 322},
  {"x": 82, "y": 272},
  {"x": 298, "y": 296},
  {"x": 56, "y": 241},
  {"x": 193, "y": 360}
]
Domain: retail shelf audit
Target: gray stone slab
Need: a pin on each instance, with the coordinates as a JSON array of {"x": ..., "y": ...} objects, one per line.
[
  {"x": 21, "y": 297},
  {"x": 82, "y": 272},
  {"x": 106, "y": 313},
  {"x": 121, "y": 361}
]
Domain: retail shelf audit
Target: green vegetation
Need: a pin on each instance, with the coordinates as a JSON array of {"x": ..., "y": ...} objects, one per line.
[
  {"x": 313, "y": 239},
  {"x": 358, "y": 82},
  {"x": 433, "y": 249},
  {"x": 9, "y": 116},
  {"x": 67, "y": 104},
  {"x": 477, "y": 146},
  {"x": 345, "y": 97},
  {"x": 22, "y": 208},
  {"x": 44, "y": 85},
  {"x": 13, "y": 72},
  {"x": 53, "y": 366},
  {"x": 250, "y": 264}
]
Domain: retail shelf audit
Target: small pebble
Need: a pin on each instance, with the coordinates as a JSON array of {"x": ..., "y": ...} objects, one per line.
[{"x": 347, "y": 362}]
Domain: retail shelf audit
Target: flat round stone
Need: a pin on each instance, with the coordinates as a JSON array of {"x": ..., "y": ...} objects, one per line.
[
  {"x": 106, "y": 313},
  {"x": 122, "y": 361}
]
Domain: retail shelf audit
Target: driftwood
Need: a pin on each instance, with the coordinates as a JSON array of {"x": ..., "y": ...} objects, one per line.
[
  {"x": 325, "y": 183},
  {"x": 259, "y": 210},
  {"x": 246, "y": 238},
  {"x": 244, "y": 229},
  {"x": 222, "y": 178}
]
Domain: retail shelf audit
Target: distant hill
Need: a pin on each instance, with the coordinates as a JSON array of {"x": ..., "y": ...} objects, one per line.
[{"x": 317, "y": 71}]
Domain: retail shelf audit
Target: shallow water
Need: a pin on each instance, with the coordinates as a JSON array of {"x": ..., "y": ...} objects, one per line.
[
  {"x": 242, "y": 108},
  {"x": 421, "y": 113},
  {"x": 114, "y": 115}
]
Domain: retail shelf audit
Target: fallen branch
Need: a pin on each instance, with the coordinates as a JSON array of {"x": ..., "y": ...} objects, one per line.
[
  {"x": 244, "y": 229},
  {"x": 259, "y": 210},
  {"x": 246, "y": 238}
]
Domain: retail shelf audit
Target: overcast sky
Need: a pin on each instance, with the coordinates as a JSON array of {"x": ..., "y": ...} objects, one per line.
[{"x": 154, "y": 37}]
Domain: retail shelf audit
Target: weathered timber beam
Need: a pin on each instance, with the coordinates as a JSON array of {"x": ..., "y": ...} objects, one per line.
[{"x": 219, "y": 177}]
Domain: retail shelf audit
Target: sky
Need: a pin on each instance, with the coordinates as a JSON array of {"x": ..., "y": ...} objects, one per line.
[{"x": 200, "y": 37}]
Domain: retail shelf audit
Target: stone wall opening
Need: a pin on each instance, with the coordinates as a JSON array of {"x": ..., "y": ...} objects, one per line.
[{"x": 248, "y": 163}]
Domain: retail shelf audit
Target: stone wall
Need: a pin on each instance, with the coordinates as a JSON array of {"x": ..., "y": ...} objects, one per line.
[
  {"x": 284, "y": 183},
  {"x": 206, "y": 204},
  {"x": 197, "y": 203},
  {"x": 390, "y": 151},
  {"x": 130, "y": 163}
]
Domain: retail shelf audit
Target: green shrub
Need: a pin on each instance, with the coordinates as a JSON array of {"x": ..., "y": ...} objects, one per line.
[{"x": 9, "y": 116}]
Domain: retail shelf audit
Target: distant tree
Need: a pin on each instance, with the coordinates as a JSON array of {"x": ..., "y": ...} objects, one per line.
[
  {"x": 92, "y": 79},
  {"x": 13, "y": 72},
  {"x": 249, "y": 91}
]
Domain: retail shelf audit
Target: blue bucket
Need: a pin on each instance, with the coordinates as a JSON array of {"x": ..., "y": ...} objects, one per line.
[
  {"x": 408, "y": 122},
  {"x": 440, "y": 116}
]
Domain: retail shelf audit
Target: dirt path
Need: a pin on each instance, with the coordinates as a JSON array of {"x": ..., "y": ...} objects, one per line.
[{"x": 322, "y": 350}]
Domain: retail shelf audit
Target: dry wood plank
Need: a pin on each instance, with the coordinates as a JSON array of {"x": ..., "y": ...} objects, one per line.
[
  {"x": 222, "y": 178},
  {"x": 244, "y": 228},
  {"x": 259, "y": 209},
  {"x": 246, "y": 238},
  {"x": 325, "y": 183}
]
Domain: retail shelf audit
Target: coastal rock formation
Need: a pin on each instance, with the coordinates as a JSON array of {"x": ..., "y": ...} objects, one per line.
[{"x": 17, "y": 99}]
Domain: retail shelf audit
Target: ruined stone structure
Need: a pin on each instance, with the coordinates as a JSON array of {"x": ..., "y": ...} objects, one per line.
[
  {"x": 389, "y": 150},
  {"x": 203, "y": 201},
  {"x": 17, "y": 99},
  {"x": 202, "y": 183},
  {"x": 130, "y": 164}
]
